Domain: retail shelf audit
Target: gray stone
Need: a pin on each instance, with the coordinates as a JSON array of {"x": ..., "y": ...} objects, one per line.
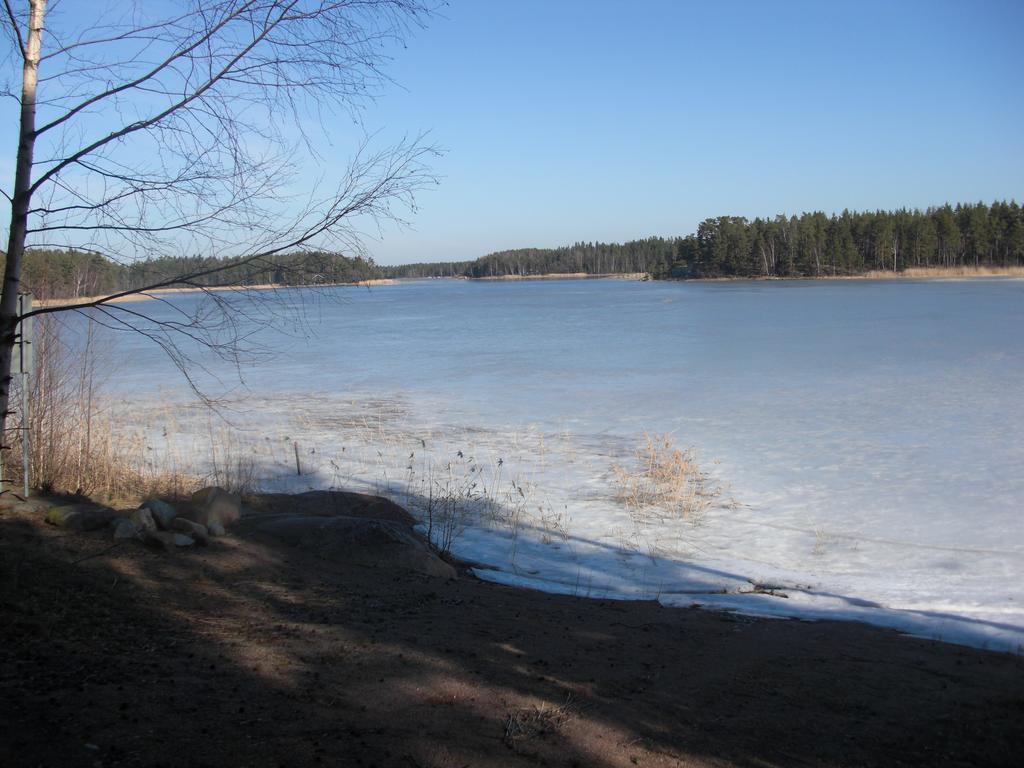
[
  {"x": 215, "y": 505},
  {"x": 61, "y": 516},
  {"x": 80, "y": 517},
  {"x": 195, "y": 530},
  {"x": 126, "y": 529},
  {"x": 216, "y": 529},
  {"x": 166, "y": 540},
  {"x": 163, "y": 513},
  {"x": 376, "y": 543},
  {"x": 143, "y": 518},
  {"x": 31, "y": 507}
]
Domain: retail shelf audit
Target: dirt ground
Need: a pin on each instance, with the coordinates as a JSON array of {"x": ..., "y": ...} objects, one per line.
[{"x": 248, "y": 653}]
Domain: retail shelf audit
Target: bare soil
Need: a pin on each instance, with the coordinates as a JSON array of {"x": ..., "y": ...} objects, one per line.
[{"x": 250, "y": 653}]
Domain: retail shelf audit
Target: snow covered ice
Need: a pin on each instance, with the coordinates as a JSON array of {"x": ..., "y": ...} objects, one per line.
[{"x": 867, "y": 437}]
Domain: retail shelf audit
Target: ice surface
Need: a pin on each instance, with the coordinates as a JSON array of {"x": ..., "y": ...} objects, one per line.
[{"x": 868, "y": 436}]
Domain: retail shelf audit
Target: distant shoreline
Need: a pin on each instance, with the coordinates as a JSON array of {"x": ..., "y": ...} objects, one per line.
[
  {"x": 914, "y": 273},
  {"x": 566, "y": 276},
  {"x": 944, "y": 273},
  {"x": 158, "y": 292}
]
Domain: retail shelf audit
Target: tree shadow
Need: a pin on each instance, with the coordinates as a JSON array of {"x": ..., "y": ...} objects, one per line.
[
  {"x": 553, "y": 560},
  {"x": 254, "y": 653}
]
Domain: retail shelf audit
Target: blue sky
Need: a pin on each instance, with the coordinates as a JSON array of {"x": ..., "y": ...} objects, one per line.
[
  {"x": 566, "y": 120},
  {"x": 613, "y": 120}
]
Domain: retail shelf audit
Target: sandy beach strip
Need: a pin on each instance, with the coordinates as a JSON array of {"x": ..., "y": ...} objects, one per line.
[
  {"x": 159, "y": 292},
  {"x": 248, "y": 652}
]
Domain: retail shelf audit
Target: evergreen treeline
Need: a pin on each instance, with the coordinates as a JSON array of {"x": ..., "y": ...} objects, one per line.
[
  {"x": 71, "y": 273},
  {"x": 810, "y": 245},
  {"x": 428, "y": 269}
]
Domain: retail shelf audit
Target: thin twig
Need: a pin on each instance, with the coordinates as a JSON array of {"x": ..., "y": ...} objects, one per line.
[{"x": 97, "y": 554}]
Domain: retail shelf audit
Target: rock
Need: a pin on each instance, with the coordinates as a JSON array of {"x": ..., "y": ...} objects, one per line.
[
  {"x": 194, "y": 530},
  {"x": 31, "y": 507},
  {"x": 215, "y": 505},
  {"x": 143, "y": 518},
  {"x": 166, "y": 540},
  {"x": 376, "y": 543},
  {"x": 216, "y": 529},
  {"x": 126, "y": 529},
  {"x": 163, "y": 513},
  {"x": 80, "y": 518},
  {"x": 61, "y": 516}
]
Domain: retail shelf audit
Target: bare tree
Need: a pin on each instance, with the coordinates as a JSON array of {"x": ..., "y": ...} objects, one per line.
[{"x": 179, "y": 128}]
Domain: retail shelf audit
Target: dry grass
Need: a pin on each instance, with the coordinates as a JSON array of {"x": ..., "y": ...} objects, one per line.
[
  {"x": 535, "y": 722},
  {"x": 947, "y": 272},
  {"x": 452, "y": 499},
  {"x": 74, "y": 446},
  {"x": 664, "y": 482},
  {"x": 79, "y": 444},
  {"x": 231, "y": 463}
]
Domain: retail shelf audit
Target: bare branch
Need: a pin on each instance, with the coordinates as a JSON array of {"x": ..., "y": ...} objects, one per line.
[
  {"x": 146, "y": 123},
  {"x": 15, "y": 28},
  {"x": 186, "y": 134},
  {"x": 167, "y": 62}
]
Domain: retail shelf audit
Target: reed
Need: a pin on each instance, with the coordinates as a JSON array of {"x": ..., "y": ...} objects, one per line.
[
  {"x": 664, "y": 482},
  {"x": 74, "y": 445},
  {"x": 947, "y": 272},
  {"x": 453, "y": 499}
]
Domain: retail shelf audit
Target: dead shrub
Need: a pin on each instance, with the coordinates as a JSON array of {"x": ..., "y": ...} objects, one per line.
[
  {"x": 664, "y": 482},
  {"x": 535, "y": 722}
]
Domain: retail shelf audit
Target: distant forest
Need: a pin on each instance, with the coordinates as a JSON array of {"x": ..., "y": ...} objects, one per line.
[
  {"x": 71, "y": 273},
  {"x": 810, "y": 245}
]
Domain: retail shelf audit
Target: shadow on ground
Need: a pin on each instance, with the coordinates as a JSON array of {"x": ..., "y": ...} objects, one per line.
[{"x": 254, "y": 653}]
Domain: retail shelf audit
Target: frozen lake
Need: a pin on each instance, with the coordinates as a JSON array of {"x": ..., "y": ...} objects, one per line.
[{"x": 867, "y": 437}]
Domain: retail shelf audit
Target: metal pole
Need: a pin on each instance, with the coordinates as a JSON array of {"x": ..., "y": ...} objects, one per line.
[{"x": 24, "y": 437}]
